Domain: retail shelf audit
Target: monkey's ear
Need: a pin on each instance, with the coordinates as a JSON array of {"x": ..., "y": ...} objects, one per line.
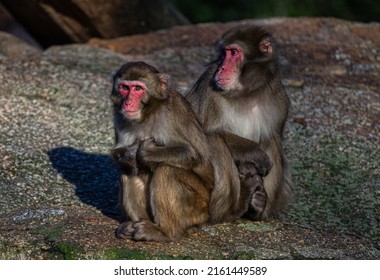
[
  {"x": 266, "y": 46},
  {"x": 165, "y": 84},
  {"x": 164, "y": 80}
]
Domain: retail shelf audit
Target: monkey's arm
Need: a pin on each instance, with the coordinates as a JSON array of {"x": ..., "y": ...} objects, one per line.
[
  {"x": 178, "y": 155},
  {"x": 245, "y": 150}
]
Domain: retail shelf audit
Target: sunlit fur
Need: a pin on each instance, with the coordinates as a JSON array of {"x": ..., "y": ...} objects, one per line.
[
  {"x": 172, "y": 174},
  {"x": 255, "y": 108}
]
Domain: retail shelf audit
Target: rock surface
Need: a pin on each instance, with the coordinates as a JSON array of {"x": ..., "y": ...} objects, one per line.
[
  {"x": 76, "y": 21},
  {"x": 58, "y": 187}
]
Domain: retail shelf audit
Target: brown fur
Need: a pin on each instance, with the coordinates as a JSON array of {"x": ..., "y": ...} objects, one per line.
[
  {"x": 170, "y": 179},
  {"x": 255, "y": 108}
]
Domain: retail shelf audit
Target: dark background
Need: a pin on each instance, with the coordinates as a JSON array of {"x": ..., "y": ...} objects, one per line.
[
  {"x": 226, "y": 10},
  {"x": 53, "y": 22}
]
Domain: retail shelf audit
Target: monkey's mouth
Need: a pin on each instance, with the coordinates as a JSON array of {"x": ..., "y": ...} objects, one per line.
[
  {"x": 132, "y": 114},
  {"x": 221, "y": 84}
]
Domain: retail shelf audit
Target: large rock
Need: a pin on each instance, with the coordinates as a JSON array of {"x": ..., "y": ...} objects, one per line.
[
  {"x": 58, "y": 185},
  {"x": 76, "y": 21}
]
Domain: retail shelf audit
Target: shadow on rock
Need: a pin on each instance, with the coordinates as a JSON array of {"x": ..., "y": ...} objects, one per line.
[{"x": 94, "y": 175}]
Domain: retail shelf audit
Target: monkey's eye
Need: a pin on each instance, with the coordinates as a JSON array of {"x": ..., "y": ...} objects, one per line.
[
  {"x": 138, "y": 88},
  {"x": 234, "y": 52},
  {"x": 124, "y": 87}
]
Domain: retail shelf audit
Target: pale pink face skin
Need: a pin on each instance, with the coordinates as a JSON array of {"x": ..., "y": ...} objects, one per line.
[
  {"x": 132, "y": 92},
  {"x": 227, "y": 76}
]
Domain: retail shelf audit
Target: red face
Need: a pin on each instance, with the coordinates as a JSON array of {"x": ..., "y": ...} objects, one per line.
[
  {"x": 227, "y": 75},
  {"x": 132, "y": 93}
]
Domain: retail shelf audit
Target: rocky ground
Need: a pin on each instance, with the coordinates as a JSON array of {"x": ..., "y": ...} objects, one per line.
[{"x": 58, "y": 187}]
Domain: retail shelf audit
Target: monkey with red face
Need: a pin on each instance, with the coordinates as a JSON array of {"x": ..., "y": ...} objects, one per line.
[
  {"x": 172, "y": 174},
  {"x": 241, "y": 98}
]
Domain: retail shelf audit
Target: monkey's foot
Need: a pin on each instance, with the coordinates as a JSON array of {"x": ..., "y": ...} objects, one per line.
[
  {"x": 140, "y": 231},
  {"x": 125, "y": 230},
  {"x": 258, "y": 199}
]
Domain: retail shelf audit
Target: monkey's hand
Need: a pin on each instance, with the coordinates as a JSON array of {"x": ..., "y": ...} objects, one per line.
[
  {"x": 145, "y": 152},
  {"x": 260, "y": 160},
  {"x": 124, "y": 159}
]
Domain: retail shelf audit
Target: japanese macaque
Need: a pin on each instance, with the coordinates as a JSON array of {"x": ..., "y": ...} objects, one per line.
[
  {"x": 173, "y": 176},
  {"x": 241, "y": 94}
]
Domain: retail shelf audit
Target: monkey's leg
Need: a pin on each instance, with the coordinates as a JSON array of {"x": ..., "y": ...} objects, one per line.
[
  {"x": 226, "y": 199},
  {"x": 133, "y": 203},
  {"x": 179, "y": 200},
  {"x": 277, "y": 183},
  {"x": 253, "y": 198}
]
